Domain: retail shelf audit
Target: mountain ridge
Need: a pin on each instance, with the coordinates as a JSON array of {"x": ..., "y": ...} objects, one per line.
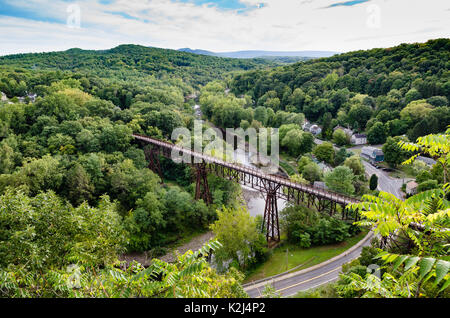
[{"x": 248, "y": 54}]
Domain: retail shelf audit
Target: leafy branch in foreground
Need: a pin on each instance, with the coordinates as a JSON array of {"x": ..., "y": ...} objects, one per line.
[
  {"x": 421, "y": 222},
  {"x": 407, "y": 282},
  {"x": 190, "y": 276},
  {"x": 436, "y": 146},
  {"x": 425, "y": 267},
  {"x": 417, "y": 227}
]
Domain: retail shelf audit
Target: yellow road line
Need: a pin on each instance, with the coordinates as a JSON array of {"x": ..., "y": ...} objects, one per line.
[{"x": 308, "y": 280}]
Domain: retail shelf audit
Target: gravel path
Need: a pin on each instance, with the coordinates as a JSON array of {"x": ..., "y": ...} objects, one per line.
[
  {"x": 145, "y": 258},
  {"x": 195, "y": 244}
]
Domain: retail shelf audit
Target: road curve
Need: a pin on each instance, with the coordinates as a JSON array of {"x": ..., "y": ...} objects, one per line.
[
  {"x": 385, "y": 182},
  {"x": 290, "y": 284}
]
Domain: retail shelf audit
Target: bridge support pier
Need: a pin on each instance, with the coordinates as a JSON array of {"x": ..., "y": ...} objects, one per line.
[
  {"x": 271, "y": 222},
  {"x": 202, "y": 187},
  {"x": 333, "y": 208},
  {"x": 152, "y": 156},
  {"x": 344, "y": 212},
  {"x": 324, "y": 201}
]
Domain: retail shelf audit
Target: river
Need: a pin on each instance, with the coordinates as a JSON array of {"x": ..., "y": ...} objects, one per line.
[{"x": 255, "y": 200}]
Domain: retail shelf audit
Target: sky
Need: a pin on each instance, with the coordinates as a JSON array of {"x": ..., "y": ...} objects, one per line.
[{"x": 221, "y": 25}]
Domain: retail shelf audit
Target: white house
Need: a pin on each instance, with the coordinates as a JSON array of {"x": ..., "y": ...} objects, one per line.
[
  {"x": 312, "y": 128},
  {"x": 315, "y": 130},
  {"x": 359, "y": 139}
]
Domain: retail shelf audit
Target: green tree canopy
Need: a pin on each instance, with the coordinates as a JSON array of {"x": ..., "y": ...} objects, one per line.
[{"x": 340, "y": 180}]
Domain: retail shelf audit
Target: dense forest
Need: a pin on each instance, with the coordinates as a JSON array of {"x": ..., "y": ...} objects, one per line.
[
  {"x": 77, "y": 132},
  {"x": 70, "y": 148},
  {"x": 130, "y": 62},
  {"x": 384, "y": 92}
]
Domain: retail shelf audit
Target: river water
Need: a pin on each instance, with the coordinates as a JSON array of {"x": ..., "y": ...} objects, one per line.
[{"x": 255, "y": 199}]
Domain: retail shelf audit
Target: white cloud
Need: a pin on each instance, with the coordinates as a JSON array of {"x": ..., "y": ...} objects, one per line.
[{"x": 278, "y": 25}]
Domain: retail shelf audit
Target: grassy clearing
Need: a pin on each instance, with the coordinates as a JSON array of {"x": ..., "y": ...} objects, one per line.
[
  {"x": 356, "y": 151},
  {"x": 289, "y": 256}
]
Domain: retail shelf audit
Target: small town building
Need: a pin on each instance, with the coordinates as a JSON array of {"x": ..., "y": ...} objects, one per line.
[
  {"x": 428, "y": 161},
  {"x": 320, "y": 185},
  {"x": 373, "y": 154},
  {"x": 411, "y": 188},
  {"x": 315, "y": 130},
  {"x": 358, "y": 139}
]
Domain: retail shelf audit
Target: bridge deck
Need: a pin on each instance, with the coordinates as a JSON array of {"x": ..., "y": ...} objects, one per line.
[{"x": 329, "y": 195}]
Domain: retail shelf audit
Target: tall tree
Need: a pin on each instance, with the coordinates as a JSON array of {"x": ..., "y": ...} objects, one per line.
[
  {"x": 373, "y": 182},
  {"x": 393, "y": 153},
  {"x": 324, "y": 152},
  {"x": 237, "y": 232},
  {"x": 340, "y": 180}
]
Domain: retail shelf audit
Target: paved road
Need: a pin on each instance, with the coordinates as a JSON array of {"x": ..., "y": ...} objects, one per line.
[
  {"x": 291, "y": 284},
  {"x": 385, "y": 182}
]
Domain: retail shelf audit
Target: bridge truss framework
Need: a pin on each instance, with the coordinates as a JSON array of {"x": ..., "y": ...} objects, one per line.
[{"x": 273, "y": 186}]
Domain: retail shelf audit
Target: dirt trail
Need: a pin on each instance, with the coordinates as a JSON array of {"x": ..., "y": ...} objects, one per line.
[{"x": 145, "y": 259}]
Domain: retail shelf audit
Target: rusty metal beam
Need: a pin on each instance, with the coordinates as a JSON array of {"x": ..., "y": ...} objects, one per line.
[
  {"x": 152, "y": 154},
  {"x": 202, "y": 187},
  {"x": 273, "y": 186}
]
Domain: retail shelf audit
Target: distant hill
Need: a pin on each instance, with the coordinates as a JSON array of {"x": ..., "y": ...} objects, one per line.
[
  {"x": 263, "y": 54},
  {"x": 136, "y": 60},
  {"x": 201, "y": 52}
]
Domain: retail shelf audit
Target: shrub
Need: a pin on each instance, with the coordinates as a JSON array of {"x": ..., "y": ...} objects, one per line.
[
  {"x": 347, "y": 266},
  {"x": 305, "y": 240},
  {"x": 359, "y": 270},
  {"x": 368, "y": 255},
  {"x": 307, "y": 227},
  {"x": 329, "y": 231}
]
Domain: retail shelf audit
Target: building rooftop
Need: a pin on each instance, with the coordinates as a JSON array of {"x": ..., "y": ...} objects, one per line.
[
  {"x": 411, "y": 185},
  {"x": 320, "y": 185},
  {"x": 428, "y": 161}
]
